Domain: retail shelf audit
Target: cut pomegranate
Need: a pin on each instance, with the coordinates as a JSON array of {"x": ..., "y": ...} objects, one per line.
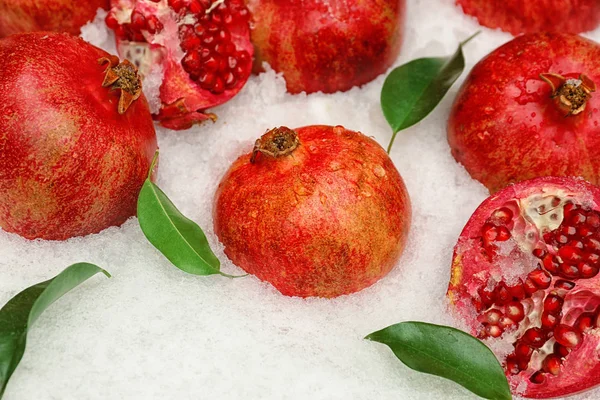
[
  {"x": 203, "y": 47},
  {"x": 552, "y": 255}
]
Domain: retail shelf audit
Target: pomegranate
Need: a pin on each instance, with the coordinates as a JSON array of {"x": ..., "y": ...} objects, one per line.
[
  {"x": 327, "y": 45},
  {"x": 19, "y": 16},
  {"x": 526, "y": 16},
  {"x": 203, "y": 46},
  {"x": 525, "y": 277},
  {"x": 316, "y": 211},
  {"x": 528, "y": 110},
  {"x": 76, "y": 137}
]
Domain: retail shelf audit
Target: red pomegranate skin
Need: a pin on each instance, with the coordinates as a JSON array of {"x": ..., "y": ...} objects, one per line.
[
  {"x": 331, "y": 218},
  {"x": 492, "y": 264},
  {"x": 526, "y": 16},
  {"x": 505, "y": 127},
  {"x": 327, "y": 46},
  {"x": 70, "y": 164},
  {"x": 20, "y": 16}
]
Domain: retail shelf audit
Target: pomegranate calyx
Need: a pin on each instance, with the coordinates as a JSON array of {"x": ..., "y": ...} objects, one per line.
[
  {"x": 122, "y": 75},
  {"x": 570, "y": 94},
  {"x": 276, "y": 142},
  {"x": 177, "y": 116}
]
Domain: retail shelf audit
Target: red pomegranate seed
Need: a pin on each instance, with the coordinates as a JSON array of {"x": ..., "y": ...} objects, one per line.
[
  {"x": 502, "y": 294},
  {"x": 501, "y": 216},
  {"x": 553, "y": 303},
  {"x": 539, "y": 253},
  {"x": 569, "y": 254},
  {"x": 207, "y": 79},
  {"x": 529, "y": 286},
  {"x": 111, "y": 21},
  {"x": 191, "y": 62},
  {"x": 568, "y": 230},
  {"x": 567, "y": 336},
  {"x": 487, "y": 296},
  {"x": 503, "y": 234},
  {"x": 561, "y": 350},
  {"x": 517, "y": 291},
  {"x": 493, "y": 330},
  {"x": 538, "y": 378},
  {"x": 515, "y": 311},
  {"x": 153, "y": 25},
  {"x": 138, "y": 21},
  {"x": 569, "y": 271},
  {"x": 591, "y": 244},
  {"x": 576, "y": 244},
  {"x": 562, "y": 239},
  {"x": 593, "y": 220},
  {"x": 506, "y": 323},
  {"x": 578, "y": 218},
  {"x": 176, "y": 5},
  {"x": 230, "y": 80},
  {"x": 551, "y": 263},
  {"x": 523, "y": 351},
  {"x": 535, "y": 337},
  {"x": 195, "y": 7},
  {"x": 585, "y": 231},
  {"x": 587, "y": 271},
  {"x": 540, "y": 278},
  {"x": 551, "y": 364},
  {"x": 512, "y": 365},
  {"x": 562, "y": 284},
  {"x": 549, "y": 321},
  {"x": 489, "y": 233},
  {"x": 584, "y": 322}
]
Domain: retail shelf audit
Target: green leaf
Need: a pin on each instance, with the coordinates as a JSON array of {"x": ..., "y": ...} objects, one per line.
[
  {"x": 178, "y": 238},
  {"x": 19, "y": 314},
  {"x": 449, "y": 353},
  {"x": 411, "y": 91}
]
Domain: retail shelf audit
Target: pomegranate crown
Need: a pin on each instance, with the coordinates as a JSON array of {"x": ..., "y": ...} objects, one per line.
[
  {"x": 276, "y": 142},
  {"x": 570, "y": 95},
  {"x": 124, "y": 76}
]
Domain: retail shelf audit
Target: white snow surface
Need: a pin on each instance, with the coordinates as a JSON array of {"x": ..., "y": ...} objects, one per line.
[{"x": 155, "y": 332}]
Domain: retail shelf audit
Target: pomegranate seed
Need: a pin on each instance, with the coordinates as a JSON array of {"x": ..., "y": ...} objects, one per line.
[
  {"x": 176, "y": 5},
  {"x": 585, "y": 231},
  {"x": 502, "y": 294},
  {"x": 539, "y": 253},
  {"x": 584, "y": 322},
  {"x": 591, "y": 244},
  {"x": 562, "y": 239},
  {"x": 512, "y": 366},
  {"x": 592, "y": 258},
  {"x": 569, "y": 254},
  {"x": 212, "y": 64},
  {"x": 489, "y": 232},
  {"x": 501, "y": 216},
  {"x": 587, "y": 271},
  {"x": 578, "y": 218},
  {"x": 195, "y": 7},
  {"x": 494, "y": 331},
  {"x": 562, "y": 284},
  {"x": 230, "y": 80},
  {"x": 207, "y": 79},
  {"x": 535, "y": 337},
  {"x": 506, "y": 323},
  {"x": 529, "y": 287},
  {"x": 523, "y": 351},
  {"x": 219, "y": 86},
  {"x": 549, "y": 321},
  {"x": 517, "y": 291},
  {"x": 243, "y": 57},
  {"x": 567, "y": 336},
  {"x": 111, "y": 21},
  {"x": 187, "y": 38},
  {"x": 568, "y": 230},
  {"x": 551, "y": 263},
  {"x": 569, "y": 271},
  {"x": 561, "y": 350},
  {"x": 191, "y": 62},
  {"x": 487, "y": 296},
  {"x": 208, "y": 39},
  {"x": 503, "y": 234},
  {"x": 553, "y": 303},
  {"x": 515, "y": 311},
  {"x": 153, "y": 25},
  {"x": 551, "y": 364},
  {"x": 538, "y": 378},
  {"x": 593, "y": 220},
  {"x": 223, "y": 36},
  {"x": 568, "y": 208},
  {"x": 576, "y": 244},
  {"x": 540, "y": 278},
  {"x": 138, "y": 21}
]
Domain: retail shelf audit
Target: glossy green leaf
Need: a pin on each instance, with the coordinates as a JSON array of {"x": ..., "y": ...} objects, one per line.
[
  {"x": 449, "y": 353},
  {"x": 18, "y": 315},
  {"x": 411, "y": 91},
  {"x": 177, "y": 237}
]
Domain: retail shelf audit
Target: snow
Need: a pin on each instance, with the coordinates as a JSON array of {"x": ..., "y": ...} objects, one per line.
[{"x": 154, "y": 332}]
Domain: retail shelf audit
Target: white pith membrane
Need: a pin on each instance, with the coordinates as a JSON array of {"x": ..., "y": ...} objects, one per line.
[{"x": 534, "y": 217}]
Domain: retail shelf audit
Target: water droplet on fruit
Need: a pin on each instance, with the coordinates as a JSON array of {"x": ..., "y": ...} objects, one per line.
[{"x": 379, "y": 171}]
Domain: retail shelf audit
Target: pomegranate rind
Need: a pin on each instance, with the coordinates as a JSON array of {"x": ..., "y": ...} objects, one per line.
[
  {"x": 471, "y": 270},
  {"x": 331, "y": 218},
  {"x": 327, "y": 46},
  {"x": 526, "y": 16},
  {"x": 504, "y": 125}
]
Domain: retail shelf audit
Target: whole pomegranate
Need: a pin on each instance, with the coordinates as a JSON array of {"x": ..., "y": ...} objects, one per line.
[
  {"x": 203, "y": 47},
  {"x": 19, "y": 16},
  {"x": 527, "y": 16},
  {"x": 76, "y": 137},
  {"x": 316, "y": 211},
  {"x": 327, "y": 45},
  {"x": 528, "y": 110},
  {"x": 525, "y": 273}
]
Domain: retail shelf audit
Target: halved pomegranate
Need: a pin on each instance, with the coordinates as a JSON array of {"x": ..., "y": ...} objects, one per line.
[
  {"x": 203, "y": 47},
  {"x": 525, "y": 279}
]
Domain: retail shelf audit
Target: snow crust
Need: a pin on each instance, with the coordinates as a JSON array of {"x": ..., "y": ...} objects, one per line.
[{"x": 154, "y": 332}]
